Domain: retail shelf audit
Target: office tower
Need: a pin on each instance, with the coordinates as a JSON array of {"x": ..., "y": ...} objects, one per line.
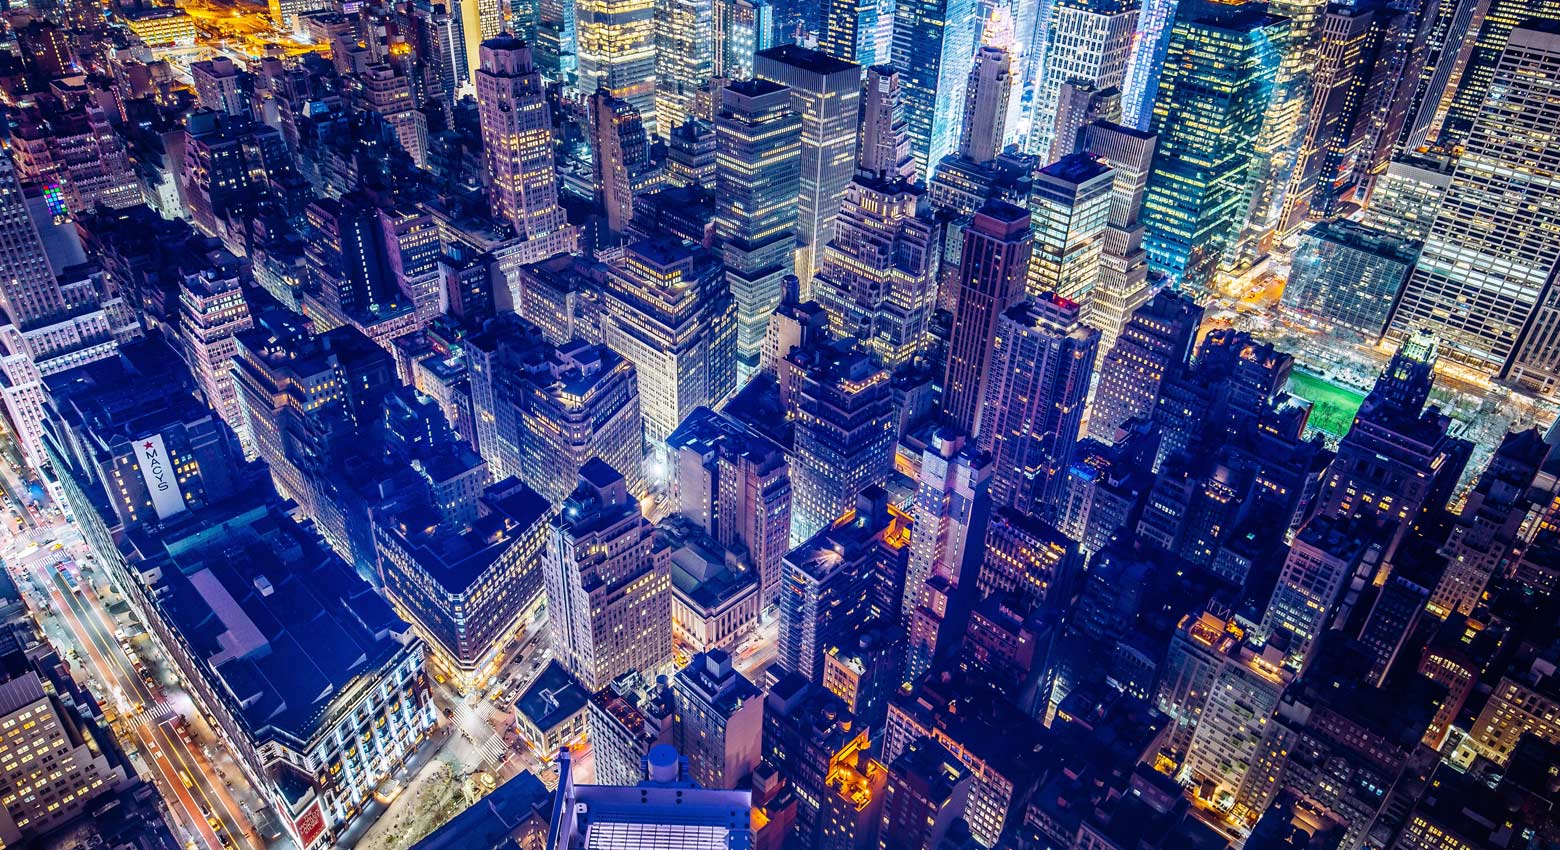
[
  {"x": 794, "y": 325},
  {"x": 54, "y": 766},
  {"x": 1088, "y": 43},
  {"x": 883, "y": 147},
  {"x": 737, "y": 487},
  {"x": 216, "y": 86},
  {"x": 934, "y": 48},
  {"x": 609, "y": 596},
  {"x": 839, "y": 579},
  {"x": 949, "y": 512},
  {"x": 620, "y": 155},
  {"x": 826, "y": 95},
  {"x": 986, "y": 100},
  {"x": 388, "y": 94},
  {"x": 877, "y": 279},
  {"x": 809, "y": 734},
  {"x": 1140, "y": 85},
  {"x": 1155, "y": 344},
  {"x": 441, "y": 51},
  {"x": 670, "y": 806},
  {"x": 348, "y": 262},
  {"x": 580, "y": 402},
  {"x": 212, "y": 312},
  {"x": 226, "y": 159},
  {"x": 720, "y": 720},
  {"x": 742, "y": 29},
  {"x": 1322, "y": 559},
  {"x": 557, "y": 40},
  {"x": 29, "y": 292},
  {"x": 684, "y": 58},
  {"x": 928, "y": 789},
  {"x": 991, "y": 274},
  {"x": 1485, "y": 291},
  {"x": 468, "y": 589},
  {"x": 1399, "y": 460},
  {"x": 849, "y": 32},
  {"x": 1481, "y": 541},
  {"x": 1199, "y": 188},
  {"x": 690, "y": 155},
  {"x": 1347, "y": 275},
  {"x": 615, "y": 46},
  {"x": 1337, "y": 148},
  {"x": 1233, "y": 698},
  {"x": 1079, "y": 104},
  {"x": 1406, "y": 197},
  {"x": 758, "y": 165},
  {"x": 1069, "y": 205},
  {"x": 669, "y": 312},
  {"x": 1482, "y": 74},
  {"x": 1448, "y": 49},
  {"x": 1041, "y": 365},
  {"x": 517, "y": 144},
  {"x": 1122, "y": 286},
  {"x": 845, "y": 427}
]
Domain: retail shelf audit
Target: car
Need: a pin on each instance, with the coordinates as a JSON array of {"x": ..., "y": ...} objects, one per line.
[{"x": 184, "y": 777}]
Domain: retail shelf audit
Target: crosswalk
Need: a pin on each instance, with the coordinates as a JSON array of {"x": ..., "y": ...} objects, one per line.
[
  {"x": 492, "y": 747},
  {"x": 493, "y": 750},
  {"x": 155, "y": 713}
]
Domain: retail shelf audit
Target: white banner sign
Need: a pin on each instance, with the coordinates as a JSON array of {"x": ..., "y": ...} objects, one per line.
[{"x": 161, "y": 479}]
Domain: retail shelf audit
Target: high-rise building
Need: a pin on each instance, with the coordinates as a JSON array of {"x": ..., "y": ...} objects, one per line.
[
  {"x": 1348, "y": 275},
  {"x": 669, "y": 312},
  {"x": 620, "y": 155},
  {"x": 995, "y": 259},
  {"x": 1069, "y": 205},
  {"x": 1122, "y": 286},
  {"x": 737, "y": 487},
  {"x": 388, "y": 94},
  {"x": 1481, "y": 74},
  {"x": 690, "y": 155},
  {"x": 950, "y": 511},
  {"x": 1406, "y": 197},
  {"x": 1041, "y": 365},
  {"x": 934, "y": 48},
  {"x": 668, "y": 807},
  {"x": 468, "y": 590},
  {"x": 986, "y": 99},
  {"x": 1219, "y": 75},
  {"x": 849, "y": 33},
  {"x": 928, "y": 789},
  {"x": 29, "y": 292},
  {"x": 212, "y": 312},
  {"x": 1140, "y": 86},
  {"x": 845, "y": 427},
  {"x": 758, "y": 165},
  {"x": 1483, "y": 284},
  {"x": 616, "y": 50},
  {"x": 720, "y": 720},
  {"x": 1323, "y": 558},
  {"x": 684, "y": 58},
  {"x": 883, "y": 145},
  {"x": 742, "y": 29},
  {"x": 580, "y": 402},
  {"x": 55, "y": 768},
  {"x": 517, "y": 146},
  {"x": 609, "y": 596},
  {"x": 216, "y": 86},
  {"x": 1088, "y": 43},
  {"x": 826, "y": 95},
  {"x": 1155, "y": 344},
  {"x": 878, "y": 274}
]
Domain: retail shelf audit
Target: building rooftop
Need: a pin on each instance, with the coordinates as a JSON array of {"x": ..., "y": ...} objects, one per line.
[
  {"x": 815, "y": 61},
  {"x": 553, "y": 698}
]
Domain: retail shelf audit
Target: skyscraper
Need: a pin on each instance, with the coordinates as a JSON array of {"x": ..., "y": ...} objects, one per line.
[
  {"x": 826, "y": 95},
  {"x": 986, "y": 98},
  {"x": 845, "y": 426},
  {"x": 684, "y": 57},
  {"x": 1484, "y": 282},
  {"x": 934, "y": 48},
  {"x": 878, "y": 275},
  {"x": 1217, "y": 82},
  {"x": 1123, "y": 281},
  {"x": 1088, "y": 42},
  {"x": 1147, "y": 61},
  {"x": 849, "y": 33},
  {"x": 620, "y": 154},
  {"x": 517, "y": 145},
  {"x": 757, "y": 177},
  {"x": 883, "y": 145},
  {"x": 950, "y": 511},
  {"x": 720, "y": 720},
  {"x": 997, "y": 246},
  {"x": 609, "y": 596},
  {"x": 669, "y": 312},
  {"x": 1041, "y": 365},
  {"x": 1348, "y": 275},
  {"x": 1069, "y": 204},
  {"x": 29, "y": 292},
  {"x": 1155, "y": 343},
  {"x": 617, "y": 51},
  {"x": 580, "y": 402},
  {"x": 1481, "y": 75}
]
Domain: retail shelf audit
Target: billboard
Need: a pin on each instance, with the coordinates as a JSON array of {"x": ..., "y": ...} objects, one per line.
[
  {"x": 162, "y": 481},
  {"x": 309, "y": 825}
]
